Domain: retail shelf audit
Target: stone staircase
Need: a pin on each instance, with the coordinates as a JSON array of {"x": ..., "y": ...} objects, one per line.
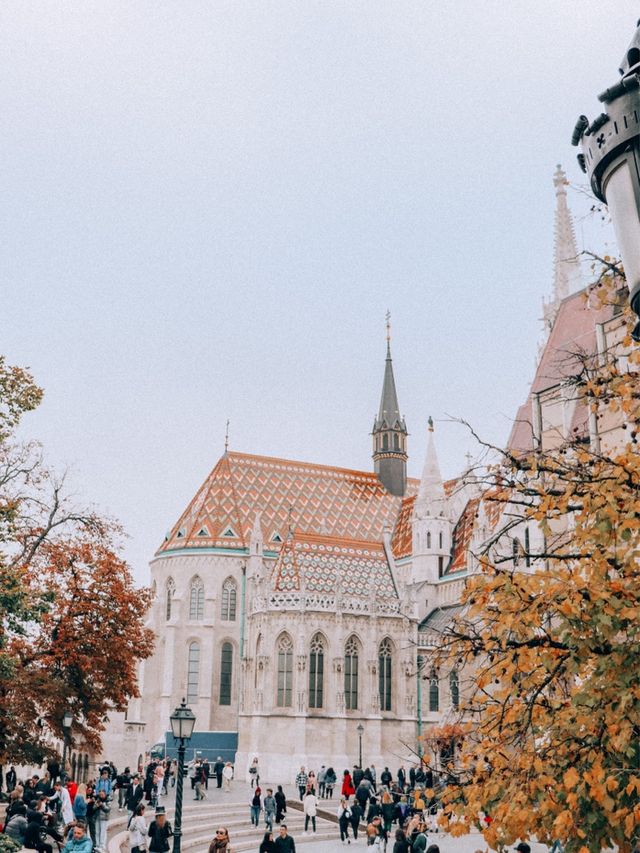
[{"x": 200, "y": 820}]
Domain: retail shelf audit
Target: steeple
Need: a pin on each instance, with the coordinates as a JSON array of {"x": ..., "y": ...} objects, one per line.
[
  {"x": 567, "y": 276},
  {"x": 431, "y": 497},
  {"x": 390, "y": 432}
]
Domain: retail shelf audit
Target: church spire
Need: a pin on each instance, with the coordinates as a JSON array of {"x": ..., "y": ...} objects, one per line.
[
  {"x": 431, "y": 496},
  {"x": 390, "y": 432},
  {"x": 567, "y": 276}
]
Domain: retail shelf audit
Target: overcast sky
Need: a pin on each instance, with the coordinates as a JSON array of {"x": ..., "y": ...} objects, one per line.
[{"x": 208, "y": 208}]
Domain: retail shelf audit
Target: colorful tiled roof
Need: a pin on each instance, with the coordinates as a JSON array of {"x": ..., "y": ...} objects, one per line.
[
  {"x": 317, "y": 499},
  {"x": 462, "y": 533},
  {"x": 325, "y": 565},
  {"x": 402, "y": 541}
]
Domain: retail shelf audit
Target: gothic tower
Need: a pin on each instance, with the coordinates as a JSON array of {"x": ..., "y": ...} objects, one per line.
[{"x": 390, "y": 434}]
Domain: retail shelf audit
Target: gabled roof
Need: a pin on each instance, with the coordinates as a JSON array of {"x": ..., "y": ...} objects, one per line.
[
  {"x": 440, "y": 618},
  {"x": 402, "y": 540},
  {"x": 333, "y": 566},
  {"x": 317, "y": 499}
]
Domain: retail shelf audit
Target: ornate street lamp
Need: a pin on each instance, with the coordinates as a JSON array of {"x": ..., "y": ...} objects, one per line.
[
  {"x": 611, "y": 157},
  {"x": 360, "y": 731},
  {"x": 183, "y": 721},
  {"x": 67, "y": 722}
]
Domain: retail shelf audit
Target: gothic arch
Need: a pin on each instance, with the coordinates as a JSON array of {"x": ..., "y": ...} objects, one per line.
[
  {"x": 196, "y": 598},
  {"x": 193, "y": 670},
  {"x": 385, "y": 673},
  {"x": 284, "y": 685},
  {"x": 229, "y": 599},
  {"x": 170, "y": 591},
  {"x": 227, "y": 658},
  {"x": 317, "y": 652},
  {"x": 352, "y": 652}
]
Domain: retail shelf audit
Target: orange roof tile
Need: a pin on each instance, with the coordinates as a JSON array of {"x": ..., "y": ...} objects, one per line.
[
  {"x": 332, "y": 502},
  {"x": 461, "y": 539}
]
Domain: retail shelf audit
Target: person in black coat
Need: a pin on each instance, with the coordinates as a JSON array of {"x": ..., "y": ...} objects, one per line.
[
  {"x": 356, "y": 817},
  {"x": 268, "y": 845},
  {"x": 218, "y": 767},
  {"x": 284, "y": 843},
  {"x": 11, "y": 779},
  {"x": 33, "y": 836},
  {"x": 134, "y": 795},
  {"x": 281, "y": 804},
  {"x": 401, "y": 844}
]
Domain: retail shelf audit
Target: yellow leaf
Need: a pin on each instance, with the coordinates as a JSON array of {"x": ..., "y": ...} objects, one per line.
[{"x": 571, "y": 778}]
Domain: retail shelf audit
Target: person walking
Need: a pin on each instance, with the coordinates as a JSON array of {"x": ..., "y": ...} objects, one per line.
[
  {"x": 284, "y": 843},
  {"x": 159, "y": 832},
  {"x": 256, "y": 808},
  {"x": 227, "y": 776},
  {"x": 330, "y": 780},
  {"x": 206, "y": 772},
  {"x": 322, "y": 778},
  {"x": 200, "y": 783},
  {"x": 254, "y": 772},
  {"x": 356, "y": 817},
  {"x": 281, "y": 804},
  {"x": 310, "y": 808},
  {"x": 138, "y": 831},
  {"x": 344, "y": 819},
  {"x": 301, "y": 783},
  {"x": 135, "y": 794},
  {"x": 270, "y": 809},
  {"x": 220, "y": 843},
  {"x": 401, "y": 844},
  {"x": 267, "y": 844},
  {"x": 10, "y": 779},
  {"x": 348, "y": 789}
]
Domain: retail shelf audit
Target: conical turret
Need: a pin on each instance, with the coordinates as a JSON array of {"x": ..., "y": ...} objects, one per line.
[
  {"x": 567, "y": 276},
  {"x": 431, "y": 496},
  {"x": 390, "y": 433}
]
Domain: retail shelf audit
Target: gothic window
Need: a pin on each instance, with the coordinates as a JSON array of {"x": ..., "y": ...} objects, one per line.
[
  {"x": 396, "y": 441},
  {"x": 434, "y": 691},
  {"x": 384, "y": 674},
  {"x": 428, "y": 539},
  {"x": 385, "y": 442},
  {"x": 351, "y": 674},
  {"x": 193, "y": 672},
  {"x": 527, "y": 548},
  {"x": 285, "y": 671},
  {"x": 440, "y": 566},
  {"x": 454, "y": 689},
  {"x": 440, "y": 540},
  {"x": 171, "y": 591},
  {"x": 196, "y": 599},
  {"x": 229, "y": 594},
  {"x": 226, "y": 671},
  {"x": 316, "y": 671},
  {"x": 258, "y": 653}
]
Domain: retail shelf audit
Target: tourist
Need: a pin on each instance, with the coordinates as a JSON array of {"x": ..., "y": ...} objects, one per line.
[
  {"x": 271, "y": 808},
  {"x": 16, "y": 826},
  {"x": 218, "y": 767},
  {"x": 356, "y": 817},
  {"x": 135, "y": 795},
  {"x": 433, "y": 848},
  {"x": 284, "y": 843},
  {"x": 159, "y": 832},
  {"x": 310, "y": 808},
  {"x": 322, "y": 777},
  {"x": 281, "y": 804},
  {"x": 267, "y": 845},
  {"x": 33, "y": 836},
  {"x": 80, "y": 803},
  {"x": 79, "y": 841},
  {"x": 402, "y": 778},
  {"x": 401, "y": 845},
  {"x": 311, "y": 782},
  {"x": 348, "y": 789},
  {"x": 200, "y": 783},
  {"x": 206, "y": 770},
  {"x": 138, "y": 830},
  {"x": 227, "y": 776},
  {"x": 301, "y": 783},
  {"x": 102, "y": 810},
  {"x": 11, "y": 779},
  {"x": 419, "y": 838},
  {"x": 256, "y": 808},
  {"x": 387, "y": 808},
  {"x": 123, "y": 783},
  {"x": 220, "y": 843},
  {"x": 330, "y": 780},
  {"x": 62, "y": 800},
  {"x": 358, "y": 775},
  {"x": 344, "y": 819},
  {"x": 254, "y": 772},
  {"x": 104, "y": 783},
  {"x": 386, "y": 778}
]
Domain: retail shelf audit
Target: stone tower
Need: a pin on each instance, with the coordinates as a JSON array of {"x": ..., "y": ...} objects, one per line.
[{"x": 390, "y": 434}]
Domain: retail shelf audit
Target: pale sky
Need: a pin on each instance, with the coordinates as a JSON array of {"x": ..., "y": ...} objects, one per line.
[{"x": 208, "y": 208}]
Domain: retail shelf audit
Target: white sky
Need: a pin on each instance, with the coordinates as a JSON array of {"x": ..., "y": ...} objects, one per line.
[{"x": 208, "y": 208}]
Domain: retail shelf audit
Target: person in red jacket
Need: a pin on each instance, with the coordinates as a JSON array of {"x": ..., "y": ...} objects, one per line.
[{"x": 347, "y": 785}]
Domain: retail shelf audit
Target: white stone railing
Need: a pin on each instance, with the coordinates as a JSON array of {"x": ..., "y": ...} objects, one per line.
[{"x": 328, "y": 603}]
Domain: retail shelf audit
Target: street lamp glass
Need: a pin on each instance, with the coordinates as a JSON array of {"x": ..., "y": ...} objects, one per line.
[
  {"x": 622, "y": 191},
  {"x": 360, "y": 729},
  {"x": 183, "y": 721},
  {"x": 67, "y": 720}
]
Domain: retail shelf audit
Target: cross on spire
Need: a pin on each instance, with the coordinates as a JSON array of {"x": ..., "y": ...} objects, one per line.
[{"x": 226, "y": 437}]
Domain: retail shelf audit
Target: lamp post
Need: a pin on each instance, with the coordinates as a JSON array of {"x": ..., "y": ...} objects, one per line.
[
  {"x": 183, "y": 721},
  {"x": 360, "y": 731},
  {"x": 611, "y": 158},
  {"x": 67, "y": 722}
]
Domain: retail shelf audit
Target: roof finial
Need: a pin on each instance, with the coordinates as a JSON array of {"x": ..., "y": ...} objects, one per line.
[
  {"x": 387, "y": 319},
  {"x": 226, "y": 437},
  {"x": 430, "y": 422}
]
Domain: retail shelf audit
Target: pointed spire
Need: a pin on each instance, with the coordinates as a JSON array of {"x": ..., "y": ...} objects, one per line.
[
  {"x": 431, "y": 497},
  {"x": 390, "y": 431},
  {"x": 389, "y": 411},
  {"x": 567, "y": 275}
]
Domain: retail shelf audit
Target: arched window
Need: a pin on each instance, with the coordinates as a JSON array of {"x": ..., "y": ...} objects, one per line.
[
  {"x": 257, "y": 660},
  {"x": 229, "y": 593},
  {"x": 171, "y": 591},
  {"x": 434, "y": 691},
  {"x": 285, "y": 671},
  {"x": 440, "y": 540},
  {"x": 428, "y": 539},
  {"x": 396, "y": 441},
  {"x": 351, "y": 674},
  {"x": 193, "y": 672},
  {"x": 226, "y": 672},
  {"x": 316, "y": 671},
  {"x": 385, "y": 442},
  {"x": 196, "y": 599},
  {"x": 454, "y": 689},
  {"x": 384, "y": 674}
]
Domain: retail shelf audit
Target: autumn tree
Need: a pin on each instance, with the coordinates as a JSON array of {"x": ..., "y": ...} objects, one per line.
[
  {"x": 71, "y": 619},
  {"x": 549, "y": 723}
]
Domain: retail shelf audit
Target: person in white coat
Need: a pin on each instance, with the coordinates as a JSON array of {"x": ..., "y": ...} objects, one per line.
[
  {"x": 61, "y": 795},
  {"x": 310, "y": 808},
  {"x": 227, "y": 776},
  {"x": 138, "y": 831}
]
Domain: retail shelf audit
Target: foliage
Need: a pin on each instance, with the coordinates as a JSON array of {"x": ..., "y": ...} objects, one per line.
[
  {"x": 8, "y": 844},
  {"x": 551, "y": 655},
  {"x": 71, "y": 620}
]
